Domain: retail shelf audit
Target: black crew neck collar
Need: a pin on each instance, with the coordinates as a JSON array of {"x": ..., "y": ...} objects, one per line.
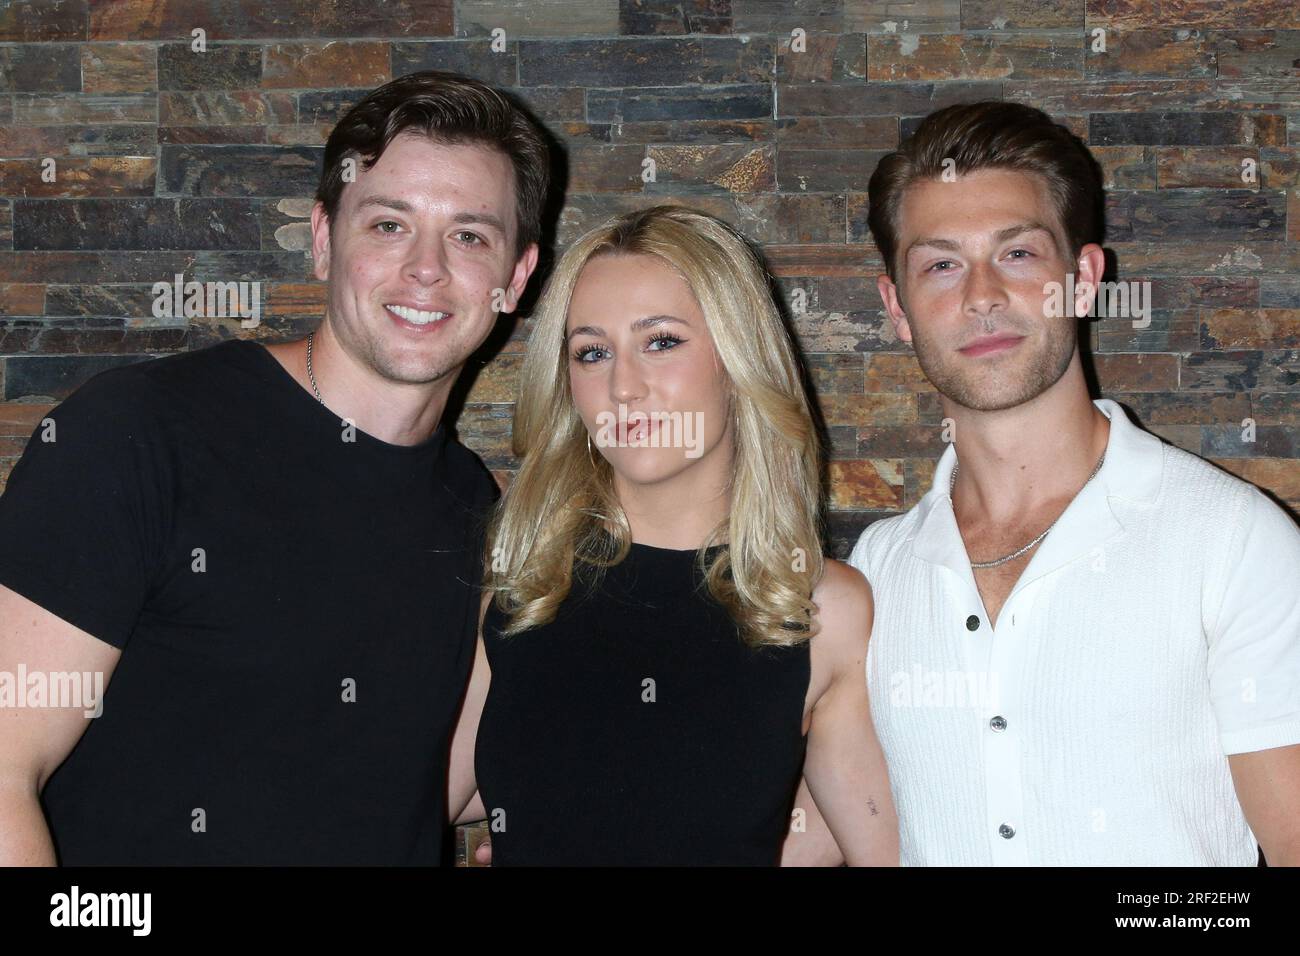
[
  {"x": 308, "y": 405},
  {"x": 654, "y": 549}
]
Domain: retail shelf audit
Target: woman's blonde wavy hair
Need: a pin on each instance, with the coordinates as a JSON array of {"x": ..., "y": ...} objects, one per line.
[{"x": 562, "y": 508}]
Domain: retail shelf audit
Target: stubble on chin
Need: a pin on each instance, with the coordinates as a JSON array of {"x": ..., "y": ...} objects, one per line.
[
  {"x": 387, "y": 362},
  {"x": 991, "y": 387}
]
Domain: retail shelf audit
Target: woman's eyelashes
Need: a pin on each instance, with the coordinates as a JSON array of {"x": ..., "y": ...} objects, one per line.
[{"x": 659, "y": 342}]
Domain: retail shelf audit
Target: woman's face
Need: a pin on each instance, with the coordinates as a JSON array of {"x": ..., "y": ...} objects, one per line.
[{"x": 644, "y": 373}]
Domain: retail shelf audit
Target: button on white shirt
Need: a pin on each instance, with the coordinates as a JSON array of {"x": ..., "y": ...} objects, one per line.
[{"x": 1155, "y": 630}]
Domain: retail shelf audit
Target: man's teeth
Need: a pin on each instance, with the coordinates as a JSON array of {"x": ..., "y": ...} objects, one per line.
[{"x": 415, "y": 316}]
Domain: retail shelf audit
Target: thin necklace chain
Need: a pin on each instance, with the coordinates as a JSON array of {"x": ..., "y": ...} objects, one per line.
[
  {"x": 952, "y": 483},
  {"x": 309, "y": 371}
]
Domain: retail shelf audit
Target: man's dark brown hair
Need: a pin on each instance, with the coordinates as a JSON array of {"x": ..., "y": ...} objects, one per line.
[
  {"x": 453, "y": 110},
  {"x": 990, "y": 135}
]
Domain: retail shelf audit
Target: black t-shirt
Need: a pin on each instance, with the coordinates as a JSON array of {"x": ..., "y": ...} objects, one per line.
[{"x": 296, "y": 613}]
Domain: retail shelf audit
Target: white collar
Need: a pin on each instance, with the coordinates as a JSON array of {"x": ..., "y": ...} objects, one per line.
[{"x": 1133, "y": 471}]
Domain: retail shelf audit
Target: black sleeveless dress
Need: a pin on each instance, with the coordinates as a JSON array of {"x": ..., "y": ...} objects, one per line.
[{"x": 638, "y": 729}]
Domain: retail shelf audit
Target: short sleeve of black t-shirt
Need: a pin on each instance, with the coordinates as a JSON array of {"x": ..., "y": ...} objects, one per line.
[
  {"x": 87, "y": 507},
  {"x": 296, "y": 602}
]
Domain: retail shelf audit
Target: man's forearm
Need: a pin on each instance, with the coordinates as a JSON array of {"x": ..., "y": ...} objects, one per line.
[{"x": 24, "y": 835}]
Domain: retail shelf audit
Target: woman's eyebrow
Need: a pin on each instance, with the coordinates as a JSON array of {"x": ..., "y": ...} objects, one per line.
[{"x": 640, "y": 324}]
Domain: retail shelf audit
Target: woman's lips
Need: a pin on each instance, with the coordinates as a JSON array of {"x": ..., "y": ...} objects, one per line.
[
  {"x": 637, "y": 429},
  {"x": 989, "y": 346}
]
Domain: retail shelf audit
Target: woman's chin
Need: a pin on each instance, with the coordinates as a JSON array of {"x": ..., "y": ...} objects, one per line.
[{"x": 650, "y": 466}]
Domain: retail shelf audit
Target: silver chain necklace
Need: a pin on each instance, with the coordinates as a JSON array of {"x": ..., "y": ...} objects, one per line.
[
  {"x": 952, "y": 483},
  {"x": 309, "y": 372}
]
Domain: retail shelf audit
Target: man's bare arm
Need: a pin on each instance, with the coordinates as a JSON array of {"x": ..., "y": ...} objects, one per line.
[
  {"x": 1268, "y": 788},
  {"x": 35, "y": 740}
]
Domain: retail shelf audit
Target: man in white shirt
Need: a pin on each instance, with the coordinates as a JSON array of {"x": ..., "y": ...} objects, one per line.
[{"x": 1086, "y": 646}]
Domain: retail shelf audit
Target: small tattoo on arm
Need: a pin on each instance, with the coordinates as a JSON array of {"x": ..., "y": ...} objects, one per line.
[{"x": 872, "y": 804}]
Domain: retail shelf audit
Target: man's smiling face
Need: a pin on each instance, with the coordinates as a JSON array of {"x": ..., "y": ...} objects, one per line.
[{"x": 421, "y": 256}]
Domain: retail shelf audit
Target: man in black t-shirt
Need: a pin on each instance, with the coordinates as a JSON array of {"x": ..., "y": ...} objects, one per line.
[{"x": 269, "y": 555}]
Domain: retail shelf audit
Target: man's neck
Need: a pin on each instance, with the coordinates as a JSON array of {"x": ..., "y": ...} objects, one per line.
[
  {"x": 1018, "y": 459},
  {"x": 392, "y": 412}
]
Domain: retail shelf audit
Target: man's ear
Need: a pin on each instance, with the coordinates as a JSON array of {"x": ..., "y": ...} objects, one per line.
[
  {"x": 894, "y": 308},
  {"x": 320, "y": 241},
  {"x": 519, "y": 279},
  {"x": 1089, "y": 267}
]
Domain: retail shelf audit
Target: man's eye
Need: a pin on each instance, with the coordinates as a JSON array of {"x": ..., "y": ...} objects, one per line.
[
  {"x": 941, "y": 262},
  {"x": 1025, "y": 251},
  {"x": 469, "y": 238},
  {"x": 387, "y": 222}
]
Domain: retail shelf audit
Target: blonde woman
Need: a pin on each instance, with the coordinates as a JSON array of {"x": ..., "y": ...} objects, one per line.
[{"x": 664, "y": 647}]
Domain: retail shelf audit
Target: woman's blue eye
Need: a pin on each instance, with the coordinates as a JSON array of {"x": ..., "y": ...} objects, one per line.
[
  {"x": 665, "y": 337},
  {"x": 582, "y": 353}
]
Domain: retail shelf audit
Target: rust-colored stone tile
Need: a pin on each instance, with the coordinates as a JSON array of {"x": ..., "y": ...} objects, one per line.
[
  {"x": 19, "y": 419},
  {"x": 894, "y": 57},
  {"x": 119, "y": 68},
  {"x": 919, "y": 477},
  {"x": 1278, "y": 14},
  {"x": 823, "y": 260},
  {"x": 1281, "y": 476},
  {"x": 225, "y": 108},
  {"x": 485, "y": 430},
  {"x": 336, "y": 64},
  {"x": 1215, "y": 167},
  {"x": 737, "y": 169},
  {"x": 1137, "y": 372},
  {"x": 296, "y": 298},
  {"x": 22, "y": 299},
  {"x": 1160, "y": 54},
  {"x": 871, "y": 409},
  {"x": 895, "y": 372},
  {"x": 861, "y": 484},
  {"x": 77, "y": 176},
  {"x": 498, "y": 380},
  {"x": 1251, "y": 329},
  {"x": 825, "y": 58}
]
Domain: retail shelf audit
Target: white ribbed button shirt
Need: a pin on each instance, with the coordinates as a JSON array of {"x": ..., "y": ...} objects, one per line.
[{"x": 1155, "y": 631}]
